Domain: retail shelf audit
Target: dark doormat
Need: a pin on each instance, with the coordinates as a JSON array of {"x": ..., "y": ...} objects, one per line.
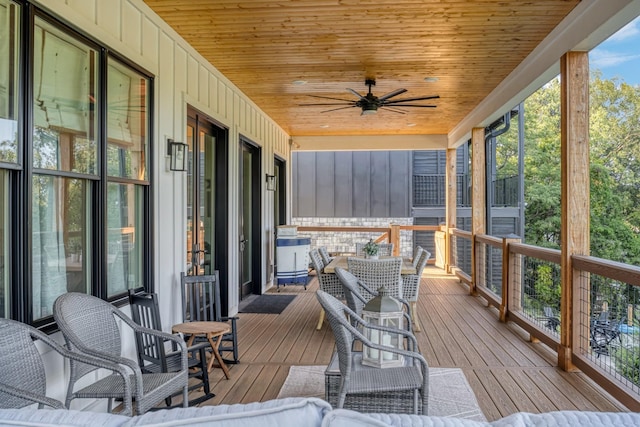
[{"x": 269, "y": 304}]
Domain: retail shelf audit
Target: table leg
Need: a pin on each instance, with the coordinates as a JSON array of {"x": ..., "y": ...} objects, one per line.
[{"x": 215, "y": 343}]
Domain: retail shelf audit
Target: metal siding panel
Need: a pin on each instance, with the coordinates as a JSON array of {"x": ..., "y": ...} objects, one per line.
[
  {"x": 295, "y": 200},
  {"x": 325, "y": 182},
  {"x": 306, "y": 184},
  {"x": 361, "y": 184},
  {"x": 399, "y": 184},
  {"x": 343, "y": 184},
  {"x": 380, "y": 179}
]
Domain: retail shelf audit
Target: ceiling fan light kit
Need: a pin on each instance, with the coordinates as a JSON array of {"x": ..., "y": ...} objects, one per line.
[{"x": 370, "y": 104}]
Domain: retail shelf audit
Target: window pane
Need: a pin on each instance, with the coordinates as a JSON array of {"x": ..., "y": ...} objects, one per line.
[
  {"x": 64, "y": 91},
  {"x": 9, "y": 42},
  {"x": 125, "y": 221},
  {"x": 127, "y": 122},
  {"x": 5, "y": 254},
  {"x": 61, "y": 227}
]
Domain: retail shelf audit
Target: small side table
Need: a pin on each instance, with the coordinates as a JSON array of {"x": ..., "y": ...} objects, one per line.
[{"x": 213, "y": 331}]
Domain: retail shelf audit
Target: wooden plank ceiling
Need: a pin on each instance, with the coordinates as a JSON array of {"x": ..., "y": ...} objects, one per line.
[{"x": 263, "y": 47}]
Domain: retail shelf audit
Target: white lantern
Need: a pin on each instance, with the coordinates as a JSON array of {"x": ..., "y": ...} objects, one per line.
[{"x": 383, "y": 310}]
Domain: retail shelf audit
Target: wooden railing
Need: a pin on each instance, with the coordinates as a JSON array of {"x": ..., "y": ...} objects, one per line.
[{"x": 507, "y": 273}]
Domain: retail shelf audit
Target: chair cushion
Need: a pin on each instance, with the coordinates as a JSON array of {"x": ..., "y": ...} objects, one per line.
[{"x": 274, "y": 413}]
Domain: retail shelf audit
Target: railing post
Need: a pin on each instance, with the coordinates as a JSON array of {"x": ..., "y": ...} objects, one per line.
[
  {"x": 507, "y": 275},
  {"x": 394, "y": 237}
]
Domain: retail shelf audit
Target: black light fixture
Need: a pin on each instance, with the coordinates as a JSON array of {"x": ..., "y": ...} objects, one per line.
[
  {"x": 177, "y": 151},
  {"x": 271, "y": 182}
]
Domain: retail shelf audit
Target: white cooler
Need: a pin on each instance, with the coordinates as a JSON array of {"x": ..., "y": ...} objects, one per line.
[{"x": 292, "y": 260}]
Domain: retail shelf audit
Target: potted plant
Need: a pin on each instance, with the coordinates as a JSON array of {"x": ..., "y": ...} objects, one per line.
[{"x": 371, "y": 249}]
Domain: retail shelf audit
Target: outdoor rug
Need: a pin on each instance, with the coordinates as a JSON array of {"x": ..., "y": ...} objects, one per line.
[
  {"x": 269, "y": 304},
  {"x": 450, "y": 395}
]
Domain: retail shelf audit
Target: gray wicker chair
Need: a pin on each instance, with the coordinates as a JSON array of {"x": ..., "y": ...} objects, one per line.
[
  {"x": 357, "y": 294},
  {"x": 411, "y": 285},
  {"x": 384, "y": 249},
  {"x": 366, "y": 382},
  {"x": 378, "y": 272},
  {"x": 328, "y": 282},
  {"x": 22, "y": 378},
  {"x": 90, "y": 326},
  {"x": 324, "y": 254}
]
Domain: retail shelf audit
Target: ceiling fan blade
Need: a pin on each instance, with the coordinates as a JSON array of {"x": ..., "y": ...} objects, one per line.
[
  {"x": 417, "y": 98},
  {"x": 336, "y": 109},
  {"x": 326, "y": 104},
  {"x": 355, "y": 93},
  {"x": 329, "y": 97},
  {"x": 392, "y": 94},
  {"x": 391, "y": 109},
  {"x": 408, "y": 105}
]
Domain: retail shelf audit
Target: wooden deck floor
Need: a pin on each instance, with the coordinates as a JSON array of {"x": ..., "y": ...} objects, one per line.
[{"x": 507, "y": 373}]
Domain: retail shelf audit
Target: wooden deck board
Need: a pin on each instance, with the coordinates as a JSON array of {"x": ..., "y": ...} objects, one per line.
[{"x": 506, "y": 372}]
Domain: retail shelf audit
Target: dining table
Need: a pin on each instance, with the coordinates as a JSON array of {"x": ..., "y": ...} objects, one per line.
[{"x": 341, "y": 261}]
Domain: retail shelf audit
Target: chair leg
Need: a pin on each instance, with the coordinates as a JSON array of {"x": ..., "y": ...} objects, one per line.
[
  {"x": 414, "y": 317},
  {"x": 320, "y": 319}
]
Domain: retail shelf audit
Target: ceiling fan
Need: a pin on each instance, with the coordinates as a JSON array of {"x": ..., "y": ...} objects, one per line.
[{"x": 370, "y": 103}]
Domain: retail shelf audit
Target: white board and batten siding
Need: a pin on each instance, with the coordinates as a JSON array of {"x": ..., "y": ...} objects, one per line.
[{"x": 181, "y": 77}]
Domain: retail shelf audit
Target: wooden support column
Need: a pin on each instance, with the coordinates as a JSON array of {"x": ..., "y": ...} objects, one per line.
[
  {"x": 574, "y": 231},
  {"x": 450, "y": 204},
  {"x": 478, "y": 198}
]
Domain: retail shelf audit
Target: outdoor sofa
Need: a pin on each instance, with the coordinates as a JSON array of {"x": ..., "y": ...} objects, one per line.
[{"x": 298, "y": 412}]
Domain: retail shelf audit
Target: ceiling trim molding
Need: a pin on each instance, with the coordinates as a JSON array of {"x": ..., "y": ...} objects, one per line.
[
  {"x": 588, "y": 24},
  {"x": 368, "y": 142}
]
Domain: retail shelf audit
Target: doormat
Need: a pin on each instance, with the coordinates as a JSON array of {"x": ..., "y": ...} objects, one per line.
[{"x": 269, "y": 304}]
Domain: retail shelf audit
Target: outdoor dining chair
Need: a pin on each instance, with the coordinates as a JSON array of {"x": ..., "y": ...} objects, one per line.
[
  {"x": 201, "y": 302},
  {"x": 378, "y": 272},
  {"x": 324, "y": 254},
  {"x": 23, "y": 380},
  {"x": 90, "y": 326},
  {"x": 328, "y": 282},
  {"x": 411, "y": 284},
  {"x": 357, "y": 294},
  {"x": 153, "y": 354},
  {"x": 366, "y": 382},
  {"x": 384, "y": 249}
]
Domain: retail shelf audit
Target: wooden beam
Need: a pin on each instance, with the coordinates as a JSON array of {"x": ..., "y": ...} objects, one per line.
[
  {"x": 451, "y": 202},
  {"x": 478, "y": 197},
  {"x": 574, "y": 230}
]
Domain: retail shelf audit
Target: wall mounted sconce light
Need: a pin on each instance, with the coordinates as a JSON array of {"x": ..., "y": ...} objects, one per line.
[
  {"x": 271, "y": 182},
  {"x": 177, "y": 151}
]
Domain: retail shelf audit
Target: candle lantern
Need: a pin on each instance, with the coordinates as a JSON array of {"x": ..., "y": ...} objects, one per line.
[{"x": 383, "y": 310}]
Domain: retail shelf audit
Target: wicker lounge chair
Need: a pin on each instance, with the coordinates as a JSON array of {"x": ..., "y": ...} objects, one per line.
[{"x": 90, "y": 326}]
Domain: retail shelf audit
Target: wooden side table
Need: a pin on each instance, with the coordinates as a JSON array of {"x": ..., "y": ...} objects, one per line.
[{"x": 213, "y": 331}]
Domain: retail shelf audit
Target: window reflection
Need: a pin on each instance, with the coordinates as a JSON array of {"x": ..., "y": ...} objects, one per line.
[
  {"x": 9, "y": 42},
  {"x": 64, "y": 91},
  {"x": 61, "y": 224},
  {"x": 125, "y": 225},
  {"x": 127, "y": 122}
]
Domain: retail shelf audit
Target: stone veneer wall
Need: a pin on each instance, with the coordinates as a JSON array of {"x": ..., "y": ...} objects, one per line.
[{"x": 346, "y": 242}]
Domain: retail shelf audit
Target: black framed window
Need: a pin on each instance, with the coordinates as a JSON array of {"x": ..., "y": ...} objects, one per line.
[{"x": 75, "y": 143}]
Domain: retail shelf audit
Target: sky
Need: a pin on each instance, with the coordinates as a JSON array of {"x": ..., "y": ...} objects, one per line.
[{"x": 619, "y": 55}]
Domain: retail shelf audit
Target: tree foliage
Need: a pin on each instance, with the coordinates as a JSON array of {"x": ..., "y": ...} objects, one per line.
[{"x": 614, "y": 168}]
